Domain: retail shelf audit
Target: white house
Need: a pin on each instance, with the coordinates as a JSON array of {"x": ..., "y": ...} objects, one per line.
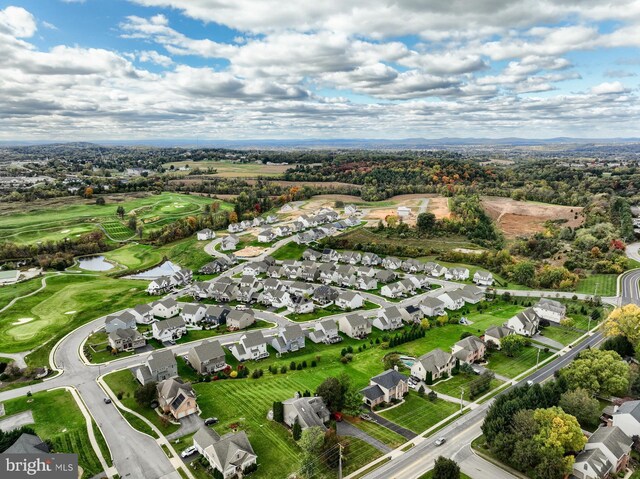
[
  {"x": 326, "y": 332},
  {"x": 525, "y": 323},
  {"x": 252, "y": 345},
  {"x": 483, "y": 278},
  {"x": 550, "y": 310},
  {"x": 229, "y": 243},
  {"x": 289, "y": 339},
  {"x": 205, "y": 234},
  {"x": 453, "y": 300},
  {"x": 266, "y": 235},
  {"x": 169, "y": 329},
  {"x": 165, "y": 308},
  {"x": 355, "y": 326},
  {"x": 591, "y": 464},
  {"x": 349, "y": 300},
  {"x": 437, "y": 362},
  {"x": 627, "y": 418},
  {"x": 432, "y": 306},
  {"x": 613, "y": 443},
  {"x": 392, "y": 290},
  {"x": 193, "y": 313},
  {"x": 457, "y": 274},
  {"x": 230, "y": 454},
  {"x": 404, "y": 211},
  {"x": 388, "y": 319}
]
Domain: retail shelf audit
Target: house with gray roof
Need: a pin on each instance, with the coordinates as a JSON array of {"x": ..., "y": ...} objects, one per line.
[
  {"x": 169, "y": 329},
  {"x": 349, "y": 300},
  {"x": 240, "y": 319},
  {"x": 165, "y": 308},
  {"x": 126, "y": 340},
  {"x": 143, "y": 313},
  {"x": 160, "y": 365},
  {"x": 193, "y": 313},
  {"x": 550, "y": 309},
  {"x": 495, "y": 334},
  {"x": 436, "y": 362},
  {"x": 627, "y": 417},
  {"x": 28, "y": 444},
  {"x": 177, "y": 398},
  {"x": 483, "y": 278},
  {"x": 386, "y": 275},
  {"x": 371, "y": 259},
  {"x": 326, "y": 332},
  {"x": 457, "y": 274},
  {"x": 614, "y": 444},
  {"x": 355, "y": 326},
  {"x": 325, "y": 295},
  {"x": 207, "y": 357},
  {"x": 469, "y": 350},
  {"x": 388, "y": 319},
  {"x": 591, "y": 464},
  {"x": 229, "y": 243},
  {"x": 124, "y": 320},
  {"x": 252, "y": 346},
  {"x": 431, "y": 306},
  {"x": 391, "y": 262},
  {"x": 230, "y": 454},
  {"x": 311, "y": 255},
  {"x": 525, "y": 323},
  {"x": 387, "y": 387},
  {"x": 289, "y": 339},
  {"x": 306, "y": 411},
  {"x": 472, "y": 294}
]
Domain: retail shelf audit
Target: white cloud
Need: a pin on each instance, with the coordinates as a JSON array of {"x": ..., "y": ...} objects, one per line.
[
  {"x": 151, "y": 56},
  {"x": 608, "y": 88},
  {"x": 18, "y": 22}
]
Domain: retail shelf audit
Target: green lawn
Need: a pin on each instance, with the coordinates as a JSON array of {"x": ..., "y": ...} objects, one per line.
[
  {"x": 429, "y": 475},
  {"x": 135, "y": 256},
  {"x": 10, "y": 291},
  {"x": 289, "y": 251},
  {"x": 561, "y": 334},
  {"x": 419, "y": 414},
  {"x": 451, "y": 386},
  {"x": 124, "y": 382},
  {"x": 379, "y": 432},
  {"x": 512, "y": 367},
  {"x": 59, "y": 420},
  {"x": 600, "y": 284},
  {"x": 67, "y": 302},
  {"x": 98, "y": 349},
  {"x": 328, "y": 311}
]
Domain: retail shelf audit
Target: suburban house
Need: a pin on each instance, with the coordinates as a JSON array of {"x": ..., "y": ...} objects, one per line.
[
  {"x": 230, "y": 454},
  {"x": 326, "y": 332},
  {"x": 391, "y": 262},
  {"x": 169, "y": 329},
  {"x": 412, "y": 313},
  {"x": 436, "y": 362},
  {"x": 207, "y": 357},
  {"x": 311, "y": 255},
  {"x": 403, "y": 211},
  {"x": 229, "y": 243},
  {"x": 349, "y": 300},
  {"x": 306, "y": 411},
  {"x": 192, "y": 314},
  {"x": 344, "y": 275},
  {"x": 205, "y": 234},
  {"x": 452, "y": 300},
  {"x": 371, "y": 259},
  {"x": 160, "y": 365},
  {"x": 165, "y": 308},
  {"x": 289, "y": 339},
  {"x": 300, "y": 305},
  {"x": 614, "y": 444},
  {"x": 28, "y": 444},
  {"x": 270, "y": 219},
  {"x": 483, "y": 278},
  {"x": 355, "y": 326},
  {"x": 266, "y": 235},
  {"x": 495, "y": 334},
  {"x": 388, "y": 319},
  {"x": 627, "y": 417},
  {"x": 457, "y": 274},
  {"x": 591, "y": 464},
  {"x": 216, "y": 266},
  {"x": 325, "y": 272},
  {"x": 124, "y": 320},
  {"x": 252, "y": 345},
  {"x": 216, "y": 315},
  {"x": 350, "y": 210},
  {"x": 386, "y": 275},
  {"x": 143, "y": 313},
  {"x": 472, "y": 294},
  {"x": 325, "y": 295},
  {"x": 393, "y": 290},
  {"x": 223, "y": 291},
  {"x": 385, "y": 387},
  {"x": 469, "y": 350},
  {"x": 234, "y": 228},
  {"x": 240, "y": 319},
  {"x": 159, "y": 285},
  {"x": 412, "y": 266},
  {"x": 550, "y": 310},
  {"x": 177, "y": 398},
  {"x": 126, "y": 340},
  {"x": 525, "y": 323},
  {"x": 432, "y": 306},
  {"x": 300, "y": 288}
]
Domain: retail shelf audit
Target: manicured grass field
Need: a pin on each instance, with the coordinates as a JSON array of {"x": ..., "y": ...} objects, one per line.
[
  {"x": 10, "y": 291},
  {"x": 381, "y": 433},
  {"x": 67, "y": 302},
  {"x": 290, "y": 251},
  {"x": 451, "y": 387},
  {"x": 600, "y": 284},
  {"x": 135, "y": 256},
  {"x": 328, "y": 311},
  {"x": 561, "y": 334},
  {"x": 124, "y": 382},
  {"x": 55, "y": 220},
  {"x": 419, "y": 414},
  {"x": 511, "y": 367},
  {"x": 59, "y": 420}
]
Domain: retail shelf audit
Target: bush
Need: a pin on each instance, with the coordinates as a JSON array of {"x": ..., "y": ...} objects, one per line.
[
  {"x": 283, "y": 370},
  {"x": 313, "y": 364}
]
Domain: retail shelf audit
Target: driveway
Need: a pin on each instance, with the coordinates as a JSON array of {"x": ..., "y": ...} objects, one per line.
[
  {"x": 188, "y": 425},
  {"x": 16, "y": 421},
  {"x": 393, "y": 426},
  {"x": 548, "y": 341},
  {"x": 343, "y": 428}
]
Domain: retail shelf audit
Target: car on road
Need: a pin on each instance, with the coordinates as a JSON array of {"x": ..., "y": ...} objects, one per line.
[
  {"x": 107, "y": 400},
  {"x": 210, "y": 421},
  {"x": 188, "y": 451},
  {"x": 241, "y": 307},
  {"x": 529, "y": 382},
  {"x": 365, "y": 417},
  {"x": 440, "y": 441}
]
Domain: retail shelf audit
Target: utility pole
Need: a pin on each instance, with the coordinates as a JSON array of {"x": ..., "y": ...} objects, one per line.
[
  {"x": 340, "y": 462},
  {"x": 538, "y": 358},
  {"x": 461, "y": 398}
]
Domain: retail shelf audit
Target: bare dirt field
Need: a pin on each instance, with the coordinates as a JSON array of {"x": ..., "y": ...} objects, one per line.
[
  {"x": 249, "y": 251},
  {"x": 439, "y": 206},
  {"x": 517, "y": 218}
]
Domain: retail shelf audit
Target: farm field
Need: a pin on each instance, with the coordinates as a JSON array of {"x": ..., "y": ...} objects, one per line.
[
  {"x": 59, "y": 420},
  {"x": 68, "y": 301},
  {"x": 419, "y": 413},
  {"x": 228, "y": 169},
  {"x": 517, "y": 218},
  {"x": 54, "y": 220}
]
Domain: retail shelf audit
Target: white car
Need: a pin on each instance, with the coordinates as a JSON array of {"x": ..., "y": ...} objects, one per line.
[
  {"x": 440, "y": 441},
  {"x": 188, "y": 451}
]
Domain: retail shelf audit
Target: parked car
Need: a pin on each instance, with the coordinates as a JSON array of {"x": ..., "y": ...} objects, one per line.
[
  {"x": 365, "y": 417},
  {"x": 210, "y": 420},
  {"x": 241, "y": 307},
  {"x": 440, "y": 441},
  {"x": 107, "y": 400},
  {"x": 337, "y": 416},
  {"x": 188, "y": 451}
]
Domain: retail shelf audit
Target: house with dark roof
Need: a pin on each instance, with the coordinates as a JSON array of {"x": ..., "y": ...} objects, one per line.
[
  {"x": 289, "y": 339},
  {"x": 126, "y": 340},
  {"x": 160, "y": 365},
  {"x": 306, "y": 411},
  {"x": 495, "y": 334},
  {"x": 231, "y": 454},
  {"x": 207, "y": 357},
  {"x": 436, "y": 362},
  {"x": 627, "y": 417},
  {"x": 28, "y": 444},
  {"x": 387, "y": 387},
  {"x": 591, "y": 464},
  {"x": 469, "y": 350},
  {"x": 614, "y": 444},
  {"x": 325, "y": 295},
  {"x": 252, "y": 346},
  {"x": 386, "y": 275},
  {"x": 177, "y": 398}
]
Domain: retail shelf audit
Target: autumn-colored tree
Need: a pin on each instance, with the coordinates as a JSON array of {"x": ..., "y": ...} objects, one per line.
[
  {"x": 215, "y": 206},
  {"x": 558, "y": 430},
  {"x": 624, "y": 321},
  {"x": 233, "y": 217},
  {"x": 88, "y": 192}
]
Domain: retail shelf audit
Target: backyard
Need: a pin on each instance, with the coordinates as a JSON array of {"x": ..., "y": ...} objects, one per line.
[
  {"x": 328, "y": 311},
  {"x": 419, "y": 413}
]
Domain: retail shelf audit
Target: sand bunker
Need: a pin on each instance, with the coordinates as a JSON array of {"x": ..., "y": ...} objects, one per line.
[
  {"x": 22, "y": 321},
  {"x": 250, "y": 251}
]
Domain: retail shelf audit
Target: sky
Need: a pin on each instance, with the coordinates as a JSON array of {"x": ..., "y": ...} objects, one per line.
[{"x": 82, "y": 70}]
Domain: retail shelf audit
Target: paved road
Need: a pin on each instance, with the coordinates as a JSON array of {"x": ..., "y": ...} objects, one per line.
[{"x": 459, "y": 434}]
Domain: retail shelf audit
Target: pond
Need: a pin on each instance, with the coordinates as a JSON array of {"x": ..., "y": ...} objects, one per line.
[
  {"x": 94, "y": 263},
  {"x": 165, "y": 269}
]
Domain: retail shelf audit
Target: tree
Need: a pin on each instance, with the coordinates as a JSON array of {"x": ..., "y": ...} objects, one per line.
[
  {"x": 100, "y": 201},
  {"x": 330, "y": 390},
  {"x": 278, "y": 411},
  {"x": 391, "y": 360},
  {"x": 624, "y": 321},
  {"x": 599, "y": 372},
  {"x": 445, "y": 468},
  {"x": 352, "y": 402},
  {"x": 426, "y": 222},
  {"x": 619, "y": 344},
  {"x": 582, "y": 405},
  {"x": 296, "y": 431},
  {"x": 233, "y": 217},
  {"x": 120, "y": 212},
  {"x": 146, "y": 394},
  {"x": 512, "y": 345},
  {"x": 429, "y": 378},
  {"x": 524, "y": 272},
  {"x": 311, "y": 442},
  {"x": 558, "y": 430},
  {"x": 88, "y": 192},
  {"x": 133, "y": 223}
]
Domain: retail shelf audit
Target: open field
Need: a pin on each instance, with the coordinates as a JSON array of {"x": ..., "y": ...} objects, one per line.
[
  {"x": 439, "y": 206},
  {"x": 327, "y": 311},
  {"x": 419, "y": 414},
  {"x": 516, "y": 218},
  {"x": 290, "y": 251},
  {"x": 59, "y": 420},
  {"x": 512, "y": 367},
  {"x": 56, "y": 220},
  {"x": 600, "y": 284},
  {"x": 451, "y": 386},
  {"x": 228, "y": 169}
]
